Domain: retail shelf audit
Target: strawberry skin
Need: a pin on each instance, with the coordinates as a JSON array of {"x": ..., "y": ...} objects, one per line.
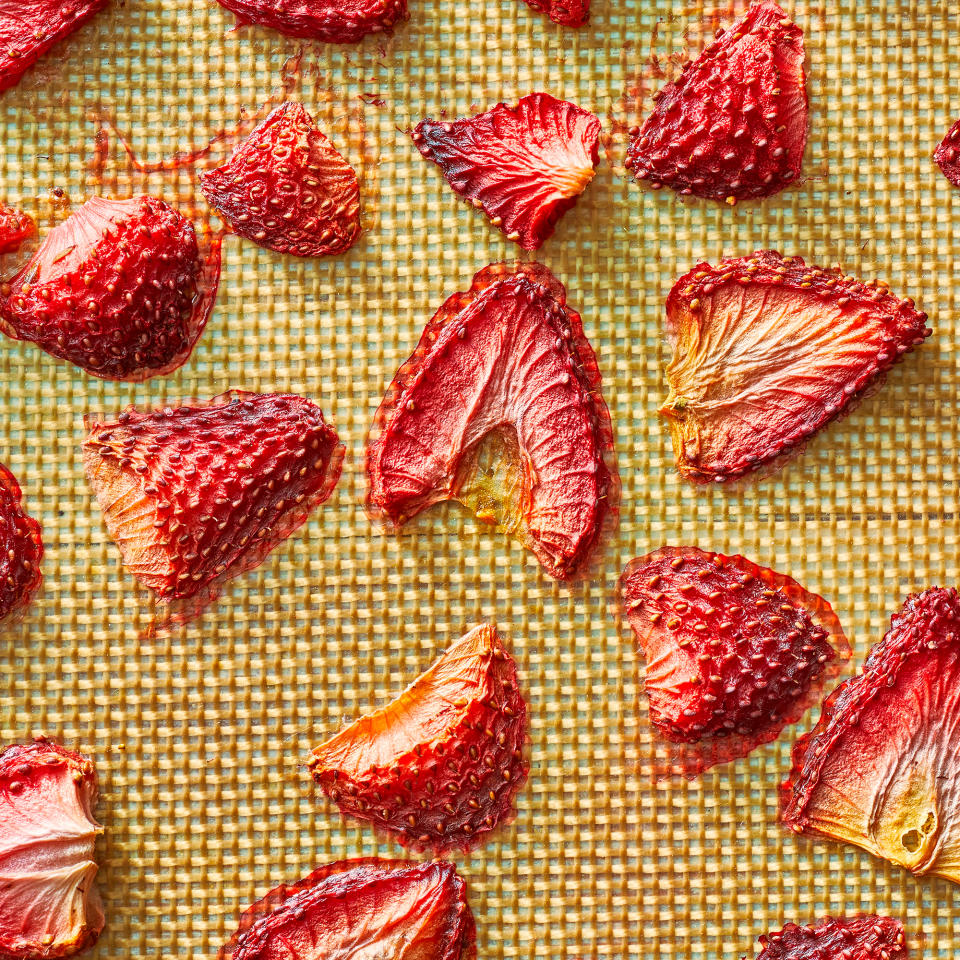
[
  {"x": 199, "y": 494},
  {"x": 49, "y": 906},
  {"x": 767, "y": 351},
  {"x": 15, "y": 227},
  {"x": 326, "y": 20},
  {"x": 524, "y": 166},
  {"x": 947, "y": 155},
  {"x": 441, "y": 764},
  {"x": 568, "y": 13},
  {"x": 734, "y": 125},
  {"x": 846, "y": 938},
  {"x": 734, "y": 651},
  {"x": 286, "y": 188},
  {"x": 21, "y": 548}
]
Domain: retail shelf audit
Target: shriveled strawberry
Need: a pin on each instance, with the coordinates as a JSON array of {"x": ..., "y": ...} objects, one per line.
[
  {"x": 21, "y": 548},
  {"x": 367, "y": 907},
  {"x": 196, "y": 495},
  {"x": 734, "y": 651},
  {"x": 767, "y": 351},
  {"x": 881, "y": 769},
  {"x": 947, "y": 155},
  {"x": 15, "y": 227},
  {"x": 499, "y": 407},
  {"x": 568, "y": 13},
  {"x": 846, "y": 938},
  {"x": 441, "y": 764},
  {"x": 287, "y": 189},
  {"x": 49, "y": 906},
  {"x": 119, "y": 289},
  {"x": 524, "y": 166},
  {"x": 348, "y": 21},
  {"x": 733, "y": 126}
]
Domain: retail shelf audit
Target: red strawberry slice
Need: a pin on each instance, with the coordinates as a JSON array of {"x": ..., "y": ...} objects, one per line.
[
  {"x": 119, "y": 289},
  {"x": 326, "y": 20},
  {"x": 767, "y": 351},
  {"x": 734, "y": 651},
  {"x": 524, "y": 166},
  {"x": 196, "y": 495},
  {"x": 568, "y": 13},
  {"x": 500, "y": 408},
  {"x": 734, "y": 125},
  {"x": 947, "y": 155},
  {"x": 21, "y": 548},
  {"x": 881, "y": 769},
  {"x": 15, "y": 227},
  {"x": 441, "y": 764},
  {"x": 49, "y": 906},
  {"x": 361, "y": 908},
  {"x": 846, "y": 938},
  {"x": 286, "y": 188}
]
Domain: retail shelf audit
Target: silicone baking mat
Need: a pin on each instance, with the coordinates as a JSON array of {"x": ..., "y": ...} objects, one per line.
[{"x": 200, "y": 737}]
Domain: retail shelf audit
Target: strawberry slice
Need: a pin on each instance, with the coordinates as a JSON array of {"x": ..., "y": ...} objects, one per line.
[
  {"x": 880, "y": 768},
  {"x": 500, "y": 408},
  {"x": 286, "y": 188},
  {"x": 947, "y": 155},
  {"x": 524, "y": 166},
  {"x": 441, "y": 764},
  {"x": 767, "y": 351},
  {"x": 15, "y": 227},
  {"x": 568, "y": 13},
  {"x": 734, "y": 651},
  {"x": 850, "y": 938},
  {"x": 196, "y": 495},
  {"x": 361, "y": 908},
  {"x": 332, "y": 22},
  {"x": 49, "y": 906},
  {"x": 21, "y": 548},
  {"x": 734, "y": 125},
  {"x": 119, "y": 289}
]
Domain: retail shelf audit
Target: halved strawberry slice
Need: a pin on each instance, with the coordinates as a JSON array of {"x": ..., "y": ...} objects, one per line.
[
  {"x": 734, "y": 651},
  {"x": 119, "y": 289},
  {"x": 845, "y": 938},
  {"x": 348, "y": 21},
  {"x": 21, "y": 548},
  {"x": 767, "y": 351},
  {"x": 500, "y": 408},
  {"x": 361, "y": 908},
  {"x": 441, "y": 764},
  {"x": 524, "y": 166},
  {"x": 286, "y": 188},
  {"x": 568, "y": 13},
  {"x": 15, "y": 227},
  {"x": 881, "y": 769},
  {"x": 734, "y": 125},
  {"x": 947, "y": 155},
  {"x": 49, "y": 906}
]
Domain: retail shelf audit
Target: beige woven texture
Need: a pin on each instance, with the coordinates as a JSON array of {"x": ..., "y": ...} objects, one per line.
[{"x": 200, "y": 738}]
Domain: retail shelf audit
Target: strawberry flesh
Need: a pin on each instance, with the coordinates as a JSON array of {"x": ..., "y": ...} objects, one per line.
[
  {"x": 947, "y": 155},
  {"x": 286, "y": 188},
  {"x": 15, "y": 227},
  {"x": 846, "y": 938},
  {"x": 767, "y": 351},
  {"x": 348, "y": 21},
  {"x": 733, "y": 126},
  {"x": 524, "y": 166},
  {"x": 568, "y": 13},
  {"x": 21, "y": 548}
]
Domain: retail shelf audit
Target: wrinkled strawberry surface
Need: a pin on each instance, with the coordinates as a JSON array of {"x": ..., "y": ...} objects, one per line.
[
  {"x": 845, "y": 938},
  {"x": 21, "y": 548},
  {"x": 345, "y": 22},
  {"x": 568, "y": 13},
  {"x": 947, "y": 155},
  {"x": 15, "y": 228}
]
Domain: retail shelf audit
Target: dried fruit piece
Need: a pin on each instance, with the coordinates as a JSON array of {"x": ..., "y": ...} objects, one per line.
[
  {"x": 846, "y": 938},
  {"x": 881, "y": 767},
  {"x": 524, "y": 166},
  {"x": 21, "y": 548},
  {"x": 326, "y": 20},
  {"x": 49, "y": 906},
  {"x": 287, "y": 189},
  {"x": 734, "y": 651},
  {"x": 367, "y": 907},
  {"x": 196, "y": 495},
  {"x": 767, "y": 351},
  {"x": 441, "y": 764},
  {"x": 947, "y": 155},
  {"x": 119, "y": 289},
  {"x": 733, "y": 126},
  {"x": 568, "y": 13},
  {"x": 15, "y": 227},
  {"x": 499, "y": 407}
]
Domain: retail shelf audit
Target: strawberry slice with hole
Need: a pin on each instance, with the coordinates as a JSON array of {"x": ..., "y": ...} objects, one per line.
[
  {"x": 286, "y": 188},
  {"x": 767, "y": 351},
  {"x": 15, "y": 228},
  {"x": 441, "y": 764},
  {"x": 524, "y": 166},
  {"x": 49, "y": 906},
  {"x": 344, "y": 22},
  {"x": 859, "y": 937},
  {"x": 734, "y": 651},
  {"x": 361, "y": 908},
  {"x": 21, "y": 548},
  {"x": 947, "y": 155},
  {"x": 567, "y": 13},
  {"x": 500, "y": 408},
  {"x": 733, "y": 126},
  {"x": 881, "y": 768}
]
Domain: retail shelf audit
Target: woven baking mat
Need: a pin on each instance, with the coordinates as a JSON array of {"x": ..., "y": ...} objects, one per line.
[{"x": 200, "y": 737}]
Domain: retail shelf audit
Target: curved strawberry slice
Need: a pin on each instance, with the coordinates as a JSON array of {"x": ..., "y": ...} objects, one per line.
[
  {"x": 286, "y": 188},
  {"x": 568, "y": 13},
  {"x": 850, "y": 938},
  {"x": 947, "y": 155},
  {"x": 359, "y": 909},
  {"x": 441, "y": 764},
  {"x": 524, "y": 166},
  {"x": 500, "y": 408},
  {"x": 767, "y": 351},
  {"x": 15, "y": 227},
  {"x": 49, "y": 906},
  {"x": 21, "y": 548},
  {"x": 734, "y": 651},
  {"x": 348, "y": 21}
]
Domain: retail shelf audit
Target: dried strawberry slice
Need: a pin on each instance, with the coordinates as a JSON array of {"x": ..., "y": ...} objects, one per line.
[
  {"x": 734, "y": 651},
  {"x": 326, "y": 20},
  {"x": 524, "y": 166},
  {"x": 49, "y": 906},
  {"x": 767, "y": 351},
  {"x": 845, "y": 938},
  {"x": 21, "y": 548},
  {"x": 568, "y": 13},
  {"x": 361, "y": 908},
  {"x": 947, "y": 155},
  {"x": 286, "y": 188},
  {"x": 15, "y": 227},
  {"x": 441, "y": 764},
  {"x": 500, "y": 408}
]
